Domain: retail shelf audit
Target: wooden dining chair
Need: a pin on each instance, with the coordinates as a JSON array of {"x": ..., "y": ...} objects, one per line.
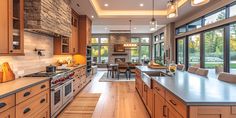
[
  {"x": 227, "y": 77},
  {"x": 109, "y": 70},
  {"x": 181, "y": 67},
  {"x": 123, "y": 68},
  {"x": 192, "y": 69},
  {"x": 202, "y": 72}
]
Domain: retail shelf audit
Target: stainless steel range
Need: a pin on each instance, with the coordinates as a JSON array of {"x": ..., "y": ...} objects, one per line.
[{"x": 61, "y": 88}]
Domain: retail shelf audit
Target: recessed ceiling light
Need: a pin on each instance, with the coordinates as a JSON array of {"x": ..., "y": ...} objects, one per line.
[
  {"x": 106, "y": 5},
  {"x": 135, "y": 28},
  {"x": 105, "y": 28},
  {"x": 141, "y": 5},
  {"x": 92, "y": 16}
]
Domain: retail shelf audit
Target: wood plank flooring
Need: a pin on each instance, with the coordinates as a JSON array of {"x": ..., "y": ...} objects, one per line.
[{"x": 117, "y": 100}]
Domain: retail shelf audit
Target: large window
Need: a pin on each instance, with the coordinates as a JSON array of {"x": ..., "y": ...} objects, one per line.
[
  {"x": 100, "y": 49},
  {"x": 214, "y": 48},
  {"x": 104, "y": 54},
  {"x": 180, "y": 51},
  {"x": 95, "y": 53},
  {"x": 135, "y": 40},
  {"x": 144, "y": 52},
  {"x": 194, "y": 25},
  {"x": 181, "y": 30},
  {"x": 145, "y": 40},
  {"x": 232, "y": 10},
  {"x": 233, "y": 48},
  {"x": 104, "y": 40},
  {"x": 162, "y": 52},
  {"x": 220, "y": 15},
  {"x": 194, "y": 50},
  {"x": 135, "y": 55},
  {"x": 94, "y": 40}
]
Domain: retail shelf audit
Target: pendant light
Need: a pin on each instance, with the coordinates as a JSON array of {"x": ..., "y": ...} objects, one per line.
[
  {"x": 199, "y": 2},
  {"x": 172, "y": 9},
  {"x": 130, "y": 45},
  {"x": 153, "y": 22}
]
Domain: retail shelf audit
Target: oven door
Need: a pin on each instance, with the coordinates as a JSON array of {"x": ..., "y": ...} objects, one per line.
[
  {"x": 67, "y": 91},
  {"x": 56, "y": 99}
]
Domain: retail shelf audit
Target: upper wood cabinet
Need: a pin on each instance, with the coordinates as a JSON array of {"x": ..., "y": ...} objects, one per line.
[
  {"x": 12, "y": 27},
  {"x": 74, "y": 40},
  {"x": 61, "y": 45},
  {"x": 85, "y": 25}
]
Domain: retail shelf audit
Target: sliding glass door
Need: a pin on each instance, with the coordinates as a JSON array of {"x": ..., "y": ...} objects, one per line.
[
  {"x": 233, "y": 48},
  {"x": 214, "y": 48},
  {"x": 194, "y": 50},
  {"x": 180, "y": 51}
]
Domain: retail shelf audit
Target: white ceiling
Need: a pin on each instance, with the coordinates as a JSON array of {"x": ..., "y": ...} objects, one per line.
[{"x": 104, "y": 23}]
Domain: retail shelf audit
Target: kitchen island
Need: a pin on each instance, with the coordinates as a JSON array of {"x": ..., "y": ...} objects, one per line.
[{"x": 185, "y": 95}]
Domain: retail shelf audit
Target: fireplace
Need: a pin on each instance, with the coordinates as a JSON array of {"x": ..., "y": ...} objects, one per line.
[{"x": 122, "y": 59}]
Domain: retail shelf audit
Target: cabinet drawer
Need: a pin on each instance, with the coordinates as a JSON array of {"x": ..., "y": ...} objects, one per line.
[
  {"x": 233, "y": 109},
  {"x": 30, "y": 107},
  {"x": 159, "y": 89},
  {"x": 7, "y": 102},
  {"x": 30, "y": 92},
  {"x": 44, "y": 113},
  {"x": 177, "y": 104},
  {"x": 10, "y": 113}
]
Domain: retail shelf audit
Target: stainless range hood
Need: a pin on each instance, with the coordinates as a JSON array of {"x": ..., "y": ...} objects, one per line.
[{"x": 51, "y": 17}]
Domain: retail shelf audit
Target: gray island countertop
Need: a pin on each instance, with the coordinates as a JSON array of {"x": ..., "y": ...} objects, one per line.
[{"x": 197, "y": 90}]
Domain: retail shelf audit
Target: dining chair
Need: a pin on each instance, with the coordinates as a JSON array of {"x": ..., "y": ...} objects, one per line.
[
  {"x": 109, "y": 70},
  {"x": 181, "y": 67},
  {"x": 123, "y": 68},
  {"x": 192, "y": 69},
  {"x": 132, "y": 69},
  {"x": 202, "y": 72},
  {"x": 227, "y": 77}
]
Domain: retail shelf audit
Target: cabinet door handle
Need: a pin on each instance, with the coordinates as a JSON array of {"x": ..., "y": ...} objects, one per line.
[
  {"x": 42, "y": 101},
  {"x": 164, "y": 111},
  {"x": 173, "y": 102},
  {"x": 26, "y": 110},
  {"x": 27, "y": 94},
  {"x": 43, "y": 86},
  {"x": 2, "y": 105},
  {"x": 11, "y": 51}
]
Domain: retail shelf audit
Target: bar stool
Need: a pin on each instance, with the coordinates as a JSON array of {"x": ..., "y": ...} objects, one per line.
[
  {"x": 227, "y": 77},
  {"x": 202, "y": 72},
  {"x": 192, "y": 69},
  {"x": 181, "y": 67}
]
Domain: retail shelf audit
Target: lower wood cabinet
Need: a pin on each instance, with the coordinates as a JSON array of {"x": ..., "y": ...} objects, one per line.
[
  {"x": 35, "y": 104},
  {"x": 79, "y": 80},
  {"x": 45, "y": 113},
  {"x": 211, "y": 112},
  {"x": 10, "y": 113},
  {"x": 32, "y": 106},
  {"x": 160, "y": 108}
]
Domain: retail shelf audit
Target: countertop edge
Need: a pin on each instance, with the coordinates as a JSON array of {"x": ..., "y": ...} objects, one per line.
[{"x": 22, "y": 88}]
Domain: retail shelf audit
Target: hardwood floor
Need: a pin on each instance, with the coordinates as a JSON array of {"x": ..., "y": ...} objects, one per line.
[{"x": 118, "y": 99}]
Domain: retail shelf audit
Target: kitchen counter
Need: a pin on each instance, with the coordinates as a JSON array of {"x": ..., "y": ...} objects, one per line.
[
  {"x": 76, "y": 67},
  {"x": 12, "y": 87},
  {"x": 197, "y": 90}
]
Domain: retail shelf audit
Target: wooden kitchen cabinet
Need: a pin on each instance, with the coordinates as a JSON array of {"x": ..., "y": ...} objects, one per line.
[
  {"x": 160, "y": 108},
  {"x": 172, "y": 113},
  {"x": 62, "y": 45},
  {"x": 10, "y": 113},
  {"x": 150, "y": 101},
  {"x": 85, "y": 25},
  {"x": 211, "y": 112},
  {"x": 74, "y": 40},
  {"x": 12, "y": 27}
]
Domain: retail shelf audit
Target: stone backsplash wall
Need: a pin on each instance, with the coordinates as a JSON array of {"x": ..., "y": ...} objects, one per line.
[
  {"x": 31, "y": 62},
  {"x": 48, "y": 16},
  {"x": 118, "y": 39}
]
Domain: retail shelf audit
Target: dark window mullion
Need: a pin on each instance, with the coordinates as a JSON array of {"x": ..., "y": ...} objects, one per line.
[
  {"x": 227, "y": 48},
  {"x": 202, "y": 50},
  {"x": 186, "y": 53}
]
